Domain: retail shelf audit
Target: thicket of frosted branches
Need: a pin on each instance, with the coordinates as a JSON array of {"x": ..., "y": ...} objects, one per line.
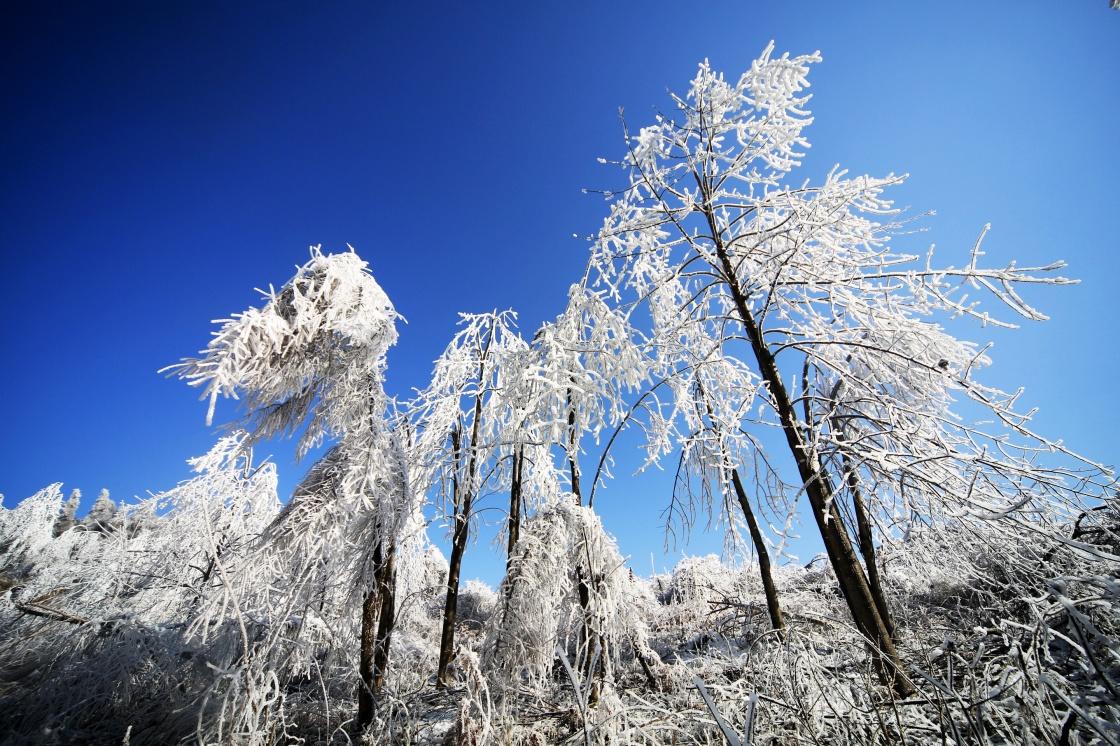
[{"x": 967, "y": 593}]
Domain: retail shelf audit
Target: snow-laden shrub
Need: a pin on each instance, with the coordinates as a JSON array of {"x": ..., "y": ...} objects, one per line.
[
  {"x": 102, "y": 612},
  {"x": 1008, "y": 636},
  {"x": 568, "y": 590},
  {"x": 698, "y": 580},
  {"x": 28, "y": 529},
  {"x": 477, "y": 602},
  {"x": 1019, "y": 663}
]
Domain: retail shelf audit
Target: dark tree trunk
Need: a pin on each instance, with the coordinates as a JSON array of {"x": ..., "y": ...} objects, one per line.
[
  {"x": 573, "y": 450},
  {"x": 866, "y": 541},
  {"x": 378, "y": 620},
  {"x": 651, "y": 678},
  {"x": 451, "y": 604},
  {"x": 370, "y": 603},
  {"x": 772, "y": 605},
  {"x": 513, "y": 530},
  {"x": 593, "y": 668},
  {"x": 386, "y": 577},
  {"x": 845, "y": 564},
  {"x": 462, "y": 499},
  {"x": 864, "y": 535}
]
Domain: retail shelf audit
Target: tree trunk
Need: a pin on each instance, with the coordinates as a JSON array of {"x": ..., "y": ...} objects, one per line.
[
  {"x": 849, "y": 572},
  {"x": 514, "y": 531},
  {"x": 386, "y": 576},
  {"x": 592, "y": 668},
  {"x": 866, "y": 540},
  {"x": 370, "y": 604},
  {"x": 462, "y": 499},
  {"x": 851, "y": 477},
  {"x": 514, "y": 527},
  {"x": 451, "y": 604},
  {"x": 772, "y": 606},
  {"x": 378, "y": 621},
  {"x": 573, "y": 450}
]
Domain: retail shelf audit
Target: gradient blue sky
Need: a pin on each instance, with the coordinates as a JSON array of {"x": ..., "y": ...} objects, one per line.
[{"x": 160, "y": 160}]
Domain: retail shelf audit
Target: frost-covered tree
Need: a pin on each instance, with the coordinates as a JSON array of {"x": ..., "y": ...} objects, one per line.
[
  {"x": 313, "y": 358},
  {"x": 839, "y": 331},
  {"x": 526, "y": 445},
  {"x": 589, "y": 359},
  {"x": 462, "y": 419},
  {"x": 102, "y": 614},
  {"x": 568, "y": 383},
  {"x": 103, "y": 515},
  {"x": 568, "y": 589},
  {"x": 68, "y": 516}
]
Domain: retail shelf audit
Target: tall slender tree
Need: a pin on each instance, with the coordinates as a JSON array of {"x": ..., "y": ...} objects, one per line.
[
  {"x": 710, "y": 225},
  {"x": 715, "y": 458},
  {"x": 462, "y": 421}
]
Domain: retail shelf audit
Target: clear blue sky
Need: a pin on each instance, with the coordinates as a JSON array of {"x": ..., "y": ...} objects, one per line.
[{"x": 160, "y": 160}]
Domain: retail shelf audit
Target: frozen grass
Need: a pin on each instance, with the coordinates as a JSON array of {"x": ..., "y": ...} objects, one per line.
[{"x": 1007, "y": 639}]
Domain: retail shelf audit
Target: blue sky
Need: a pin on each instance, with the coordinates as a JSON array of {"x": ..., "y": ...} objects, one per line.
[{"x": 162, "y": 160}]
